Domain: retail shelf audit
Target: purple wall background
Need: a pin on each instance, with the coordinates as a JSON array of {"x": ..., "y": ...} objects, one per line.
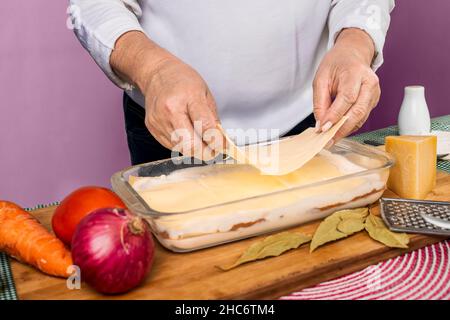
[
  {"x": 61, "y": 123},
  {"x": 416, "y": 52}
]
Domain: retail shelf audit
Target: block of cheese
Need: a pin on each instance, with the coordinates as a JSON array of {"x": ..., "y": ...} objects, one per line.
[{"x": 414, "y": 174}]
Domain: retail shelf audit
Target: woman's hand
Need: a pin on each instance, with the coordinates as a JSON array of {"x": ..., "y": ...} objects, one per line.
[
  {"x": 180, "y": 111},
  {"x": 345, "y": 84}
]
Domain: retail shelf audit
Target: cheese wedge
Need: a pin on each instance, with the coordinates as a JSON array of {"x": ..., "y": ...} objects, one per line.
[{"x": 414, "y": 174}]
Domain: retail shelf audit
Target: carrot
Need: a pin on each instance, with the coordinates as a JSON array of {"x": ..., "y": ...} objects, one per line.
[{"x": 27, "y": 240}]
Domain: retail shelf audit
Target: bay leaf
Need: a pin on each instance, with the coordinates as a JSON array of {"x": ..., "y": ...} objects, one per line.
[
  {"x": 352, "y": 221},
  {"x": 358, "y": 213},
  {"x": 351, "y": 226},
  {"x": 378, "y": 231},
  {"x": 271, "y": 246},
  {"x": 326, "y": 232},
  {"x": 339, "y": 225}
]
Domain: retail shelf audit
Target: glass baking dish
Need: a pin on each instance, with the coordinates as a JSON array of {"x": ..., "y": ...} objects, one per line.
[{"x": 220, "y": 223}]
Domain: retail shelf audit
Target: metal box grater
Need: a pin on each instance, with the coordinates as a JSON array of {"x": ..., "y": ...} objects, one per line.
[{"x": 405, "y": 215}]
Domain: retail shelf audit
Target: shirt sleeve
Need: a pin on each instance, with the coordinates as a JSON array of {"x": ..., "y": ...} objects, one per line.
[
  {"x": 99, "y": 23},
  {"x": 372, "y": 16}
]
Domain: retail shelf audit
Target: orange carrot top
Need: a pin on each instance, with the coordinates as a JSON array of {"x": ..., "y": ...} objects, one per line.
[{"x": 24, "y": 238}]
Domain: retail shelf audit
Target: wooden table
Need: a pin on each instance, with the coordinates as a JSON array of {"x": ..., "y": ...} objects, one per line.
[{"x": 194, "y": 275}]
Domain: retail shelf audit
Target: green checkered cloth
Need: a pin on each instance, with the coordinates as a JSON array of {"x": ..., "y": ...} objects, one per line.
[
  {"x": 8, "y": 290},
  {"x": 7, "y": 287}
]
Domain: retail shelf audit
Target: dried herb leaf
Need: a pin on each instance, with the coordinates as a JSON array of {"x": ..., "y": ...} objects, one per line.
[
  {"x": 378, "y": 231},
  {"x": 339, "y": 225},
  {"x": 271, "y": 246},
  {"x": 352, "y": 221},
  {"x": 351, "y": 226},
  {"x": 358, "y": 213},
  {"x": 326, "y": 232}
]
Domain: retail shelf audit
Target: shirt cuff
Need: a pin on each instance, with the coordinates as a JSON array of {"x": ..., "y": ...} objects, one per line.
[{"x": 104, "y": 39}]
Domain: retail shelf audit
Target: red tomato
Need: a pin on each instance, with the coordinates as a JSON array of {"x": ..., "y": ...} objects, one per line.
[{"x": 79, "y": 204}]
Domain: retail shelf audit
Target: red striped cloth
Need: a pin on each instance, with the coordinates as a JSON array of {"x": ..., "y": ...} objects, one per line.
[{"x": 423, "y": 274}]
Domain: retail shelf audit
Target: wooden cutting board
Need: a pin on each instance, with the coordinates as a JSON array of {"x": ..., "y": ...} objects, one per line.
[{"x": 194, "y": 275}]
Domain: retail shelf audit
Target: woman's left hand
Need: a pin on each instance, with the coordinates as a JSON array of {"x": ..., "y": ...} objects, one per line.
[{"x": 345, "y": 84}]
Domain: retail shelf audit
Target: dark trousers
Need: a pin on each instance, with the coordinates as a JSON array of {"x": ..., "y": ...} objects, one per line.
[{"x": 144, "y": 148}]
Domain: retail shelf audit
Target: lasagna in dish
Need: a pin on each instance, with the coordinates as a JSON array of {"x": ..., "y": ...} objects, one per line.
[{"x": 202, "y": 206}]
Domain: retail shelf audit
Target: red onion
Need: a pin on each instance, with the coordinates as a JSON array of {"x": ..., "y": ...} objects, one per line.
[{"x": 114, "y": 250}]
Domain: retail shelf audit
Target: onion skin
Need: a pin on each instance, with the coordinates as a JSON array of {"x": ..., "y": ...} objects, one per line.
[{"x": 114, "y": 250}]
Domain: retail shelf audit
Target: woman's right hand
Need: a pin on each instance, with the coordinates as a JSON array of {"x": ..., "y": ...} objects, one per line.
[{"x": 180, "y": 111}]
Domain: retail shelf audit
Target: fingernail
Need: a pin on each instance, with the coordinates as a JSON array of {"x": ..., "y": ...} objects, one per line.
[
  {"x": 329, "y": 144},
  {"x": 317, "y": 128},
  {"x": 327, "y": 126}
]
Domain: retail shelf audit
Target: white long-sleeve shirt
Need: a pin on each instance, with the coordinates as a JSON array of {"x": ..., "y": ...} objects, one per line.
[{"x": 258, "y": 57}]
